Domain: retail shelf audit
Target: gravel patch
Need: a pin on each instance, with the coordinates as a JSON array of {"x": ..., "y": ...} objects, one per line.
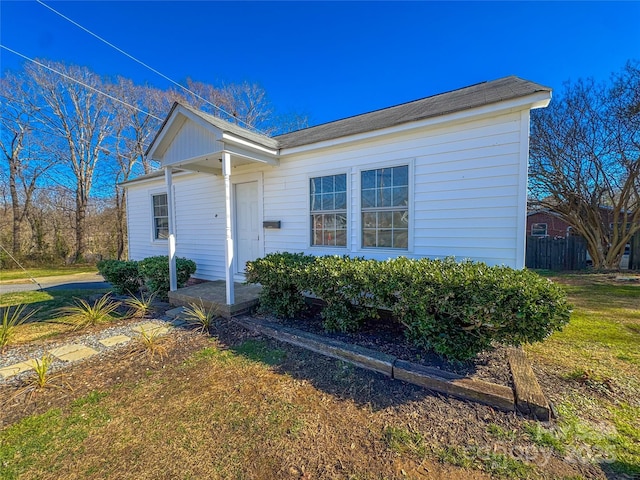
[{"x": 21, "y": 353}]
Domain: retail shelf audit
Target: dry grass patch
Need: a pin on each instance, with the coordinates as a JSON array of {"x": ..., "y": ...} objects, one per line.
[{"x": 220, "y": 414}]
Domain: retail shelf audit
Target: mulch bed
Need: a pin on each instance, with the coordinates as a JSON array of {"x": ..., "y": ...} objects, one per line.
[{"x": 385, "y": 335}]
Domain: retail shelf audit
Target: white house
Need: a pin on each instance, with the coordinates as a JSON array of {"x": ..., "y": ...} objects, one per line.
[{"x": 442, "y": 176}]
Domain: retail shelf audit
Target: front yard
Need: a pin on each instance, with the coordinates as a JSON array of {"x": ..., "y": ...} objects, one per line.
[{"x": 235, "y": 405}]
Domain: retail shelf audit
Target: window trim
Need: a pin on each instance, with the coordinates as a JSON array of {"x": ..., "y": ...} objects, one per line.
[
  {"x": 320, "y": 174},
  {"x": 410, "y": 163},
  {"x": 546, "y": 229},
  {"x": 152, "y": 233}
]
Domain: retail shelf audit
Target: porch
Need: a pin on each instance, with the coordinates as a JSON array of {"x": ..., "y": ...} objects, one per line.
[{"x": 213, "y": 295}]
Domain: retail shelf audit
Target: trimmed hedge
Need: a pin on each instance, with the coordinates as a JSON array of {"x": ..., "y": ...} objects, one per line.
[
  {"x": 123, "y": 275},
  {"x": 456, "y": 309},
  {"x": 280, "y": 276},
  {"x": 153, "y": 272}
]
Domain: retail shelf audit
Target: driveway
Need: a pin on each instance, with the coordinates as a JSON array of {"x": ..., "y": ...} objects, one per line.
[{"x": 78, "y": 281}]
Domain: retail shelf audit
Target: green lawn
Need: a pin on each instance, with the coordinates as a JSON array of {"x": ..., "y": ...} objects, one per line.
[
  {"x": 19, "y": 274},
  {"x": 46, "y": 303},
  {"x": 229, "y": 412},
  {"x": 598, "y": 357}
]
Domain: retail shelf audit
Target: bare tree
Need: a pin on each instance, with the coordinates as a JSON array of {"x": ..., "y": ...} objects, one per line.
[
  {"x": 24, "y": 157},
  {"x": 79, "y": 116},
  {"x": 133, "y": 127},
  {"x": 585, "y": 162},
  {"x": 245, "y": 104}
]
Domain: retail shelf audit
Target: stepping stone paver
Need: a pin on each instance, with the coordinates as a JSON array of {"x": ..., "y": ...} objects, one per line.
[
  {"x": 17, "y": 368},
  {"x": 115, "y": 340},
  {"x": 72, "y": 352},
  {"x": 175, "y": 312},
  {"x": 151, "y": 328}
]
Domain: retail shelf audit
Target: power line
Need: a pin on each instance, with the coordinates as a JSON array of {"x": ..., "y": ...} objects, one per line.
[
  {"x": 40, "y": 64},
  {"x": 145, "y": 65}
]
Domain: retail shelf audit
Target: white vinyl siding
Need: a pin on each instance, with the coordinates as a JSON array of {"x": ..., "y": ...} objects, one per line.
[{"x": 467, "y": 194}]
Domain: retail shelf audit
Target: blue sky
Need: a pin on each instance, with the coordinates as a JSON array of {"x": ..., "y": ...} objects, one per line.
[{"x": 335, "y": 59}]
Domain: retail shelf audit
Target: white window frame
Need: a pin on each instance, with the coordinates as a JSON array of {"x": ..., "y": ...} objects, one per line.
[
  {"x": 152, "y": 234},
  {"x": 546, "y": 229},
  {"x": 326, "y": 248},
  {"x": 410, "y": 163}
]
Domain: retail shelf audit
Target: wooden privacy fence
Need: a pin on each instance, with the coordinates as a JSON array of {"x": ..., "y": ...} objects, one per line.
[{"x": 556, "y": 253}]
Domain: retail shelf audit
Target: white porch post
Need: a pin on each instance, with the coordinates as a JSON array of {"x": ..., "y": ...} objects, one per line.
[
  {"x": 226, "y": 171},
  {"x": 173, "y": 278}
]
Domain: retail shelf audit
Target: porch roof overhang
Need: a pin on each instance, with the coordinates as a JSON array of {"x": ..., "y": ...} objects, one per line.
[{"x": 214, "y": 137}]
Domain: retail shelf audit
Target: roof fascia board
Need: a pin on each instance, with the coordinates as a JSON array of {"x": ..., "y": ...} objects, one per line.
[
  {"x": 533, "y": 101},
  {"x": 231, "y": 138},
  {"x": 253, "y": 156},
  {"x": 158, "y": 178}
]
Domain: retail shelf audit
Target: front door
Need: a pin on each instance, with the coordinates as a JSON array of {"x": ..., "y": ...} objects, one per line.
[{"x": 247, "y": 225}]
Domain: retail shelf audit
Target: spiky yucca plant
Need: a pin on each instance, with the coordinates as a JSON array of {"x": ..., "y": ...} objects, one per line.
[
  {"x": 150, "y": 343},
  {"x": 12, "y": 317},
  {"x": 140, "y": 307},
  {"x": 203, "y": 318},
  {"x": 41, "y": 367},
  {"x": 83, "y": 314}
]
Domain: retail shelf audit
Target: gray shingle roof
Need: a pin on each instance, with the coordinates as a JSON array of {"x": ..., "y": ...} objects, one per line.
[
  {"x": 477, "y": 95},
  {"x": 454, "y": 101}
]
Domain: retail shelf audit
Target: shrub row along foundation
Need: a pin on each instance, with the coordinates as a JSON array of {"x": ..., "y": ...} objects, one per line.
[
  {"x": 499, "y": 396},
  {"x": 455, "y": 309}
]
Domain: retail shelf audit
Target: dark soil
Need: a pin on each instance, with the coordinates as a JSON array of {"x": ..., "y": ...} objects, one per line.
[{"x": 386, "y": 335}]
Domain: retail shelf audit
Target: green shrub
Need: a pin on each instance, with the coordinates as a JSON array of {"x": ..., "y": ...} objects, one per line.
[
  {"x": 456, "y": 309},
  {"x": 155, "y": 272},
  {"x": 460, "y": 309},
  {"x": 282, "y": 278},
  {"x": 123, "y": 275},
  {"x": 345, "y": 284}
]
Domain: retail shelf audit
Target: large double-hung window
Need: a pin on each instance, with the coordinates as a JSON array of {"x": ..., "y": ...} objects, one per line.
[
  {"x": 328, "y": 200},
  {"x": 385, "y": 207}
]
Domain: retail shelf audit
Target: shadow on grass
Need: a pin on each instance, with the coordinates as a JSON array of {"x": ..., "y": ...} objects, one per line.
[
  {"x": 335, "y": 377},
  {"x": 621, "y": 470},
  {"x": 46, "y": 302}
]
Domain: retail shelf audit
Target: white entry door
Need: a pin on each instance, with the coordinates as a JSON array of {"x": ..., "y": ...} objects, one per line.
[{"x": 247, "y": 225}]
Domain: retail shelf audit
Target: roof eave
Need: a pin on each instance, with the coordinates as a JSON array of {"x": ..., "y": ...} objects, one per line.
[{"x": 537, "y": 99}]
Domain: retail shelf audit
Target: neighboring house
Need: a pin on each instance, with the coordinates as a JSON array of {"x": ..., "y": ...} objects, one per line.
[
  {"x": 442, "y": 176},
  {"x": 545, "y": 223}
]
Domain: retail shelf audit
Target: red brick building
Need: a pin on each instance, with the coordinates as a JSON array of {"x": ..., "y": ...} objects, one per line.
[{"x": 544, "y": 223}]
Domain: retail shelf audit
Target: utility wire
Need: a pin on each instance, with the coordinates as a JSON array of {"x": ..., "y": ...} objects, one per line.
[
  {"x": 40, "y": 64},
  {"x": 147, "y": 66}
]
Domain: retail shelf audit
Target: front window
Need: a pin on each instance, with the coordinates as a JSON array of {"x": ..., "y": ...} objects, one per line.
[
  {"x": 539, "y": 230},
  {"x": 160, "y": 217},
  {"x": 385, "y": 207},
  {"x": 328, "y": 200}
]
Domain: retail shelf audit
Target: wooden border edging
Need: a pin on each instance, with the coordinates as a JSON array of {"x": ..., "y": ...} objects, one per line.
[
  {"x": 529, "y": 397},
  {"x": 497, "y": 396}
]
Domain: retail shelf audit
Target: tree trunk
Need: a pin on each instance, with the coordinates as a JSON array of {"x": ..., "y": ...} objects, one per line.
[
  {"x": 81, "y": 214},
  {"x": 15, "y": 206}
]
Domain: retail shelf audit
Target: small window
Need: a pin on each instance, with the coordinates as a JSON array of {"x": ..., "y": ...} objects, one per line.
[
  {"x": 539, "y": 229},
  {"x": 385, "y": 207},
  {"x": 160, "y": 217},
  {"x": 328, "y": 200}
]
